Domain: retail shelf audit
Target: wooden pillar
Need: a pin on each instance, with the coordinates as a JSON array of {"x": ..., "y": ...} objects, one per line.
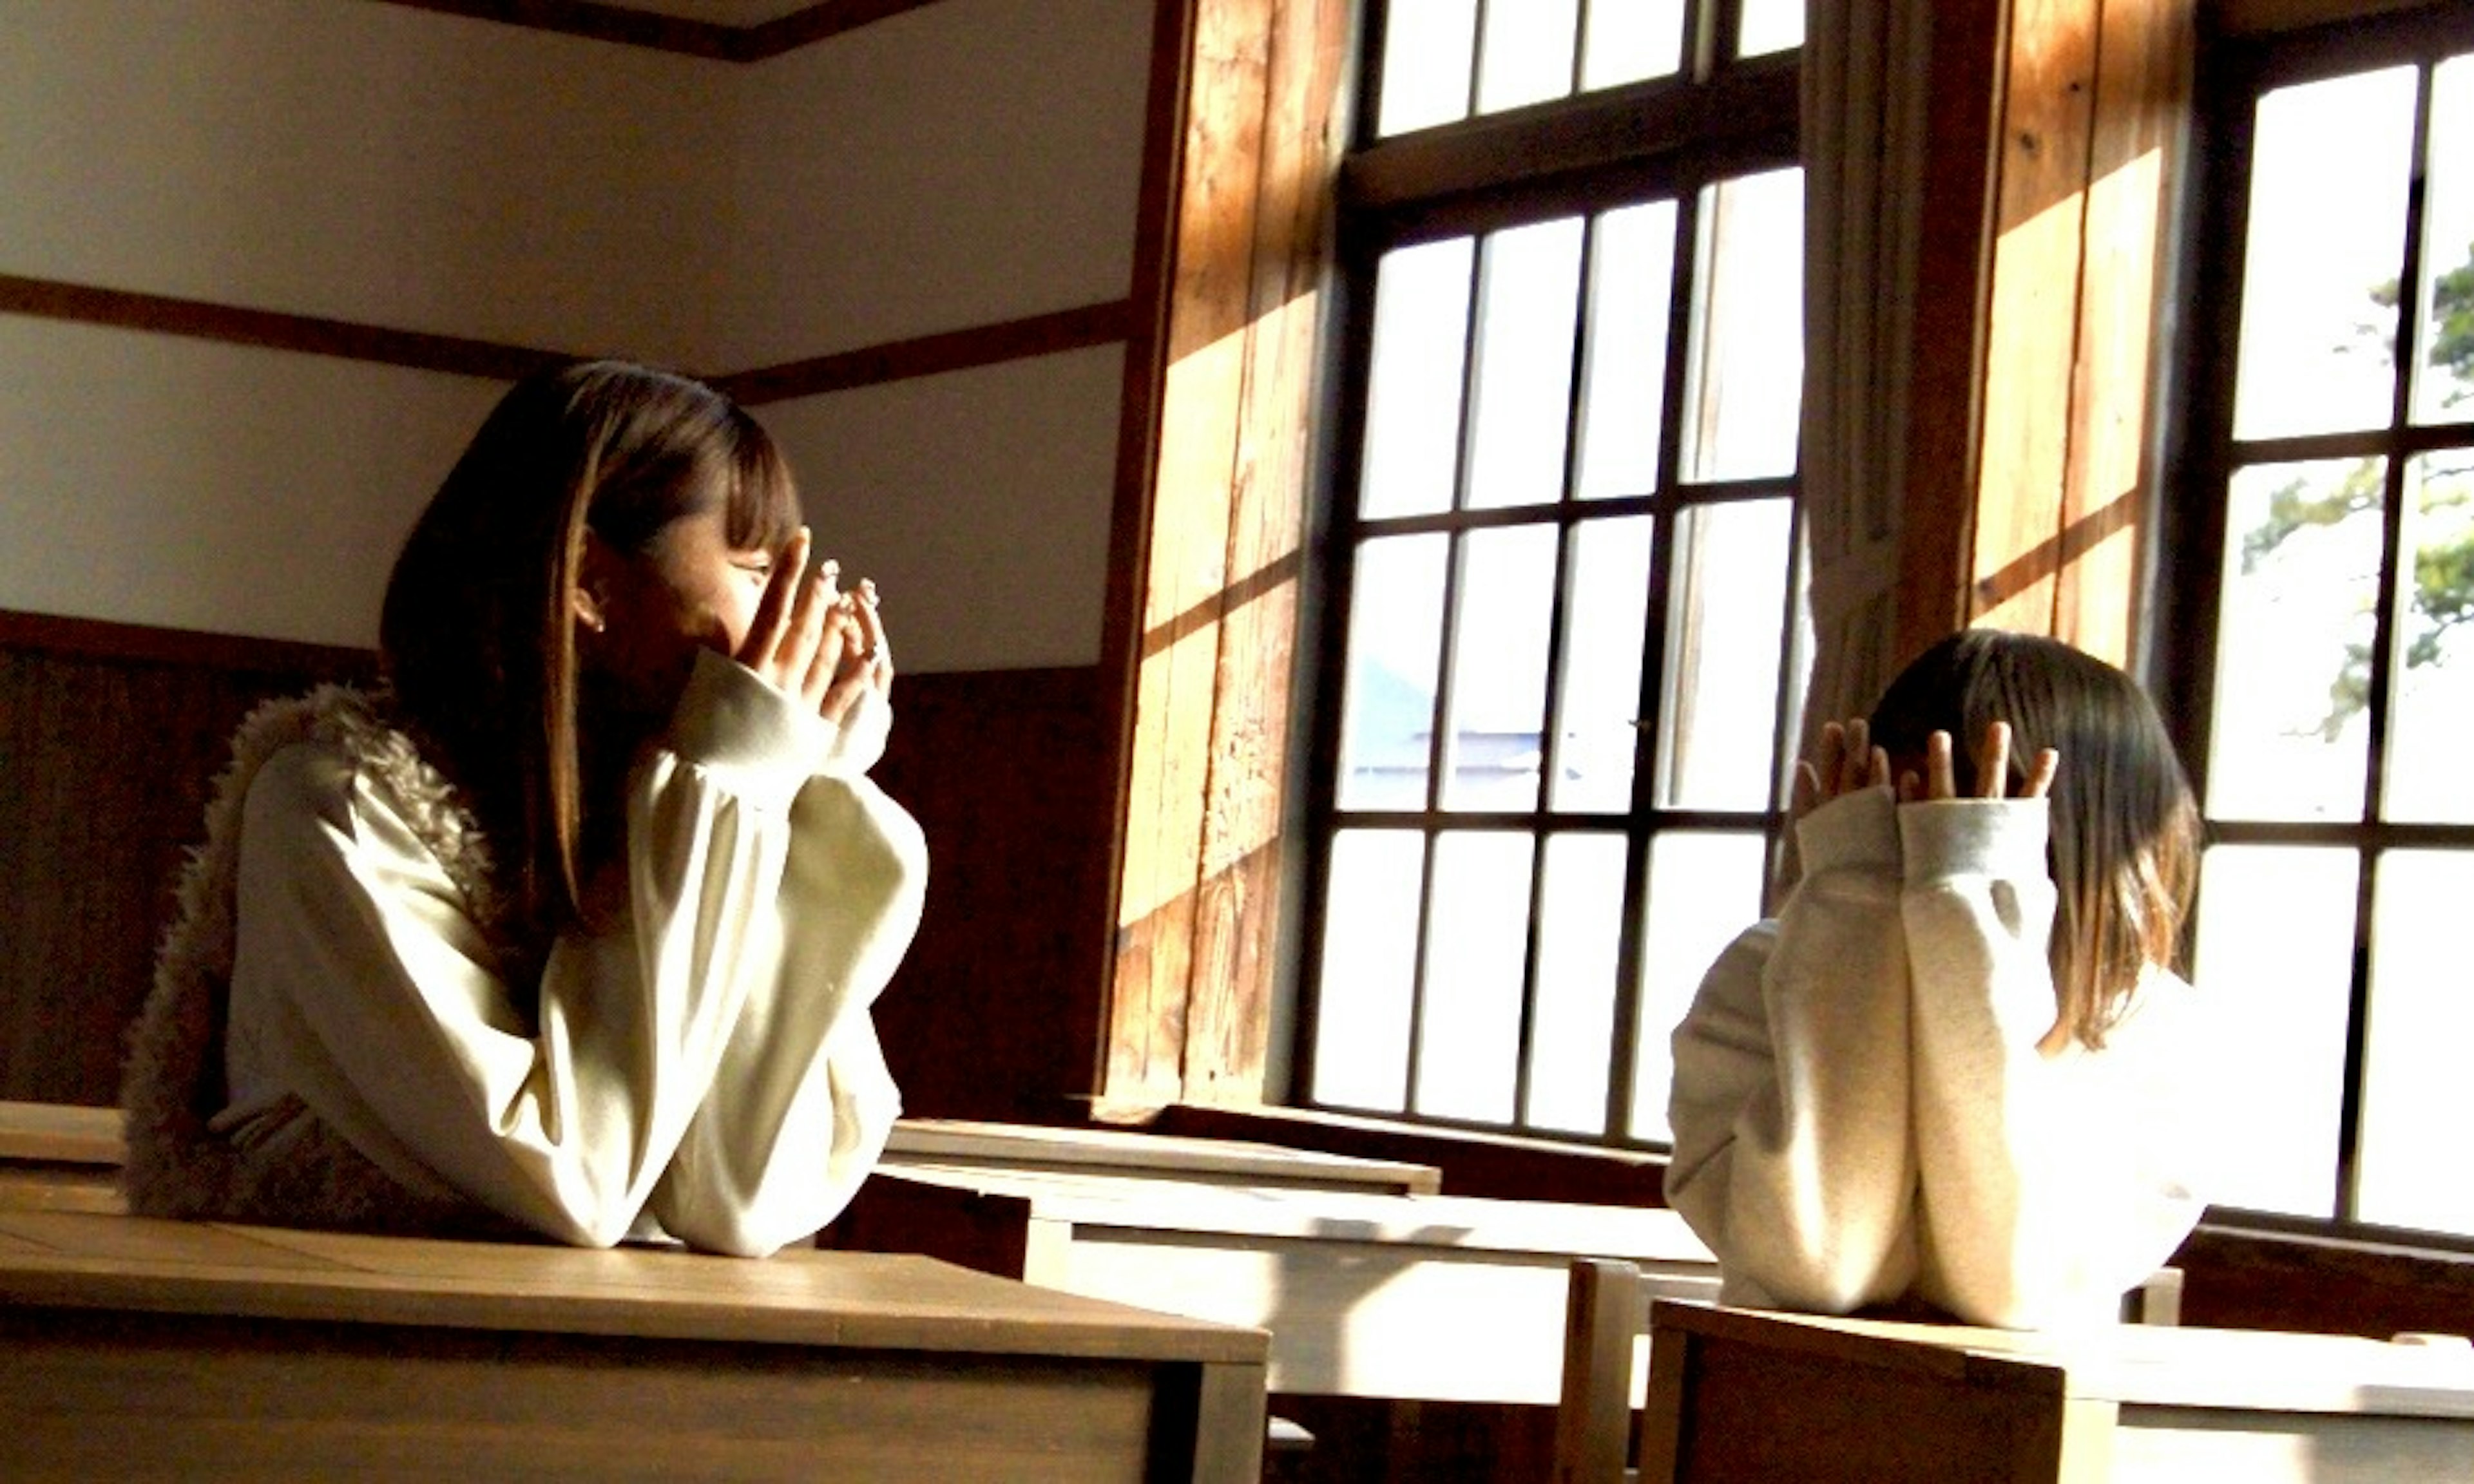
[
  {"x": 1214, "y": 532},
  {"x": 2056, "y": 156}
]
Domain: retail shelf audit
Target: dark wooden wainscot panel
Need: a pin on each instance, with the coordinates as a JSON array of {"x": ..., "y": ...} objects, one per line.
[{"x": 109, "y": 737}]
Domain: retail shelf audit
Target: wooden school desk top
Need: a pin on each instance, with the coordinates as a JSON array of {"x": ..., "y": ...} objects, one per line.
[{"x": 178, "y": 1346}]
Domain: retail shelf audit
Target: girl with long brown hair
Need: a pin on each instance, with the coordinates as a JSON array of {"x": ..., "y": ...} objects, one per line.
[{"x": 570, "y": 928}]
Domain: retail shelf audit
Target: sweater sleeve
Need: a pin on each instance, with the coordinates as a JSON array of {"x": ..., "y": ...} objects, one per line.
[
  {"x": 2050, "y": 1185},
  {"x": 361, "y": 984},
  {"x": 1790, "y": 1100},
  {"x": 803, "y": 1102}
]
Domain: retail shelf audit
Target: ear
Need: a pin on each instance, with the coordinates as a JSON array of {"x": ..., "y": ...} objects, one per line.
[{"x": 588, "y": 600}]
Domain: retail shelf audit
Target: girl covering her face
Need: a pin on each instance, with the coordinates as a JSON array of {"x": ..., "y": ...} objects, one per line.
[
  {"x": 570, "y": 930},
  {"x": 1959, "y": 1069}
]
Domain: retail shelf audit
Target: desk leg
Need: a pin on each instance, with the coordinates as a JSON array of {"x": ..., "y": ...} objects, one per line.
[
  {"x": 1661, "y": 1413},
  {"x": 1207, "y": 1424}
]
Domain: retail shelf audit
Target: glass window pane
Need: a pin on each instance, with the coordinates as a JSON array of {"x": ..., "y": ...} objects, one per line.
[
  {"x": 1705, "y": 887},
  {"x": 1623, "y": 379},
  {"x": 2276, "y": 944},
  {"x": 1769, "y": 26},
  {"x": 1628, "y": 40},
  {"x": 1477, "y": 943},
  {"x": 2416, "y": 1099},
  {"x": 2425, "y": 774},
  {"x": 1526, "y": 56},
  {"x": 1412, "y": 393},
  {"x": 2329, "y": 172},
  {"x": 2444, "y": 373},
  {"x": 1429, "y": 47},
  {"x": 1369, "y": 960},
  {"x": 1580, "y": 922},
  {"x": 2290, "y": 738},
  {"x": 1396, "y": 636},
  {"x": 1605, "y": 628},
  {"x": 1498, "y": 704},
  {"x": 1724, "y": 637},
  {"x": 1747, "y": 358},
  {"x": 1532, "y": 280}
]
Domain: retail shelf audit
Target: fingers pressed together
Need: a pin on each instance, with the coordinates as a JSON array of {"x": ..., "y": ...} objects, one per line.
[{"x": 815, "y": 641}]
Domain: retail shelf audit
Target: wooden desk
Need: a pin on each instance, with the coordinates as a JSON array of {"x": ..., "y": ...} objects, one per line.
[
  {"x": 1737, "y": 1394},
  {"x": 56, "y": 1156},
  {"x": 1428, "y": 1298},
  {"x": 140, "y": 1347},
  {"x": 957, "y": 1145}
]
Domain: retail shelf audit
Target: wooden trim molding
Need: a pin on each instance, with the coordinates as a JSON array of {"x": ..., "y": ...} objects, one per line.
[
  {"x": 96, "y": 638},
  {"x": 921, "y": 355},
  {"x": 2261, "y": 17},
  {"x": 161, "y": 314},
  {"x": 929, "y": 355},
  {"x": 714, "y": 40}
]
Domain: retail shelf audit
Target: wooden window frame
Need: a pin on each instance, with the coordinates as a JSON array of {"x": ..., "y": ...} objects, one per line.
[{"x": 1212, "y": 571}]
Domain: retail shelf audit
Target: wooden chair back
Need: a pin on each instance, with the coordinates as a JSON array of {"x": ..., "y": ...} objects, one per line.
[{"x": 1606, "y": 1331}]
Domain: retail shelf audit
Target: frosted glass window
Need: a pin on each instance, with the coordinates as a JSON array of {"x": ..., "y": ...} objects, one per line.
[
  {"x": 1580, "y": 924},
  {"x": 2444, "y": 370},
  {"x": 1630, "y": 40},
  {"x": 1623, "y": 388},
  {"x": 1477, "y": 946},
  {"x": 1395, "y": 637},
  {"x": 1704, "y": 887},
  {"x": 2426, "y": 777},
  {"x": 1368, "y": 971},
  {"x": 2331, "y": 165},
  {"x": 1499, "y": 702},
  {"x": 2291, "y": 737},
  {"x": 1429, "y": 49},
  {"x": 1746, "y": 364},
  {"x": 1725, "y": 637},
  {"x": 1526, "y": 53},
  {"x": 1604, "y": 627},
  {"x": 1412, "y": 398},
  {"x": 1528, "y": 312},
  {"x": 2276, "y": 940},
  {"x": 2418, "y": 1100},
  {"x": 1769, "y": 26}
]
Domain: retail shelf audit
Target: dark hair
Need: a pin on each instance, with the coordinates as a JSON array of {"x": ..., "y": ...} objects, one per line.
[
  {"x": 2124, "y": 838},
  {"x": 476, "y": 637}
]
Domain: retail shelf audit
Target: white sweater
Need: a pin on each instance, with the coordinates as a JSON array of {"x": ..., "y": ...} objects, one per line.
[
  {"x": 1860, "y": 1111},
  {"x": 705, "y": 1065}
]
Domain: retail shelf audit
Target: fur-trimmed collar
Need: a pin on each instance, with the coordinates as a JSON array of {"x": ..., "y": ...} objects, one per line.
[{"x": 173, "y": 1083}]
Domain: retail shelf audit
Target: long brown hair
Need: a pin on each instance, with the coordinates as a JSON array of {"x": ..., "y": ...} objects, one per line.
[
  {"x": 2124, "y": 840},
  {"x": 477, "y": 639}
]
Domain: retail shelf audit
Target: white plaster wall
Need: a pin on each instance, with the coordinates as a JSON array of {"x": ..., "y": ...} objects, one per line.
[
  {"x": 963, "y": 164},
  {"x": 366, "y": 162},
  {"x": 979, "y": 501},
  {"x": 153, "y": 480}
]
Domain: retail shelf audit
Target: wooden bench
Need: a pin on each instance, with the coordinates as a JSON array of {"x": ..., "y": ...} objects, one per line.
[
  {"x": 134, "y": 1348},
  {"x": 1740, "y": 1394}
]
